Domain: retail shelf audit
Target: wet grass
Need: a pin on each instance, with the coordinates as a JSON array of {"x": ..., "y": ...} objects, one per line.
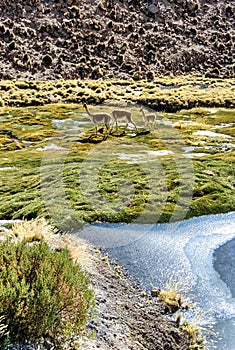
[{"x": 52, "y": 164}]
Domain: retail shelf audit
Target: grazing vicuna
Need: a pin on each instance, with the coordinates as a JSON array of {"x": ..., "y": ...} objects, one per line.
[
  {"x": 122, "y": 114},
  {"x": 99, "y": 118},
  {"x": 149, "y": 119}
]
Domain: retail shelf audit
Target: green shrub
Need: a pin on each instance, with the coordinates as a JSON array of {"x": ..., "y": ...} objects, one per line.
[{"x": 42, "y": 292}]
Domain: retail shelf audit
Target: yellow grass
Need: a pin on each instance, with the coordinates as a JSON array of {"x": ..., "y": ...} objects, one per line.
[
  {"x": 38, "y": 228},
  {"x": 171, "y": 299},
  {"x": 33, "y": 230}
]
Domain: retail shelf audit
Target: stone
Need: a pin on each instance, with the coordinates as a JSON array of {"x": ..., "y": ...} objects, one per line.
[
  {"x": 155, "y": 291},
  {"x": 209, "y": 172},
  {"x": 153, "y": 8}
]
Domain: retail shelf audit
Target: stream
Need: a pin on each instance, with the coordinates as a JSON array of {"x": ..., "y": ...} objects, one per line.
[{"x": 197, "y": 255}]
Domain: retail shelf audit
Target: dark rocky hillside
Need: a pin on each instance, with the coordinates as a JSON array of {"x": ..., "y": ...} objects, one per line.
[{"x": 53, "y": 39}]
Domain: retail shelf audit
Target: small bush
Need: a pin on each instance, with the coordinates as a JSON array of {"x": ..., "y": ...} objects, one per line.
[
  {"x": 171, "y": 299},
  {"x": 193, "y": 333},
  {"x": 42, "y": 292}
]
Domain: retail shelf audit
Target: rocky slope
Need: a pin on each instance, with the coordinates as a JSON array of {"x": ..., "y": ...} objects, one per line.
[
  {"x": 128, "y": 319},
  {"x": 54, "y": 39}
]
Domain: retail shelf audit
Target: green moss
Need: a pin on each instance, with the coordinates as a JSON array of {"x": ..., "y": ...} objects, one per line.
[{"x": 126, "y": 189}]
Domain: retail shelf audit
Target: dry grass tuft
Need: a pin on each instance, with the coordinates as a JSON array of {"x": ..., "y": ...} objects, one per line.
[
  {"x": 171, "y": 299},
  {"x": 37, "y": 229},
  {"x": 80, "y": 251},
  {"x": 33, "y": 230},
  {"x": 172, "y": 296}
]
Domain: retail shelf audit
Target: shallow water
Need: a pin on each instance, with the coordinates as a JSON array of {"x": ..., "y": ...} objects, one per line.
[
  {"x": 211, "y": 134},
  {"x": 142, "y": 157},
  {"x": 187, "y": 253},
  {"x": 51, "y": 146},
  {"x": 69, "y": 123},
  {"x": 7, "y": 168}
]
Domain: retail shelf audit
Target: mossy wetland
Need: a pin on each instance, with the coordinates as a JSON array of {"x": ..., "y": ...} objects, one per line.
[{"x": 53, "y": 165}]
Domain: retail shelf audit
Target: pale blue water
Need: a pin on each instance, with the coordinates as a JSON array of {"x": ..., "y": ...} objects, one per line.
[{"x": 186, "y": 252}]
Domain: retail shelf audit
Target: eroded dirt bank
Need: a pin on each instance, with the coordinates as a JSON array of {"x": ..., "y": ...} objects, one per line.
[{"x": 128, "y": 318}]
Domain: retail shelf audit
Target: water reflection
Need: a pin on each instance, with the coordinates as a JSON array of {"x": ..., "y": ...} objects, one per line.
[{"x": 184, "y": 251}]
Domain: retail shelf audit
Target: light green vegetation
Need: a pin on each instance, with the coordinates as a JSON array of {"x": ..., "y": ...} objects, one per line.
[
  {"x": 194, "y": 334},
  {"x": 149, "y": 176}
]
